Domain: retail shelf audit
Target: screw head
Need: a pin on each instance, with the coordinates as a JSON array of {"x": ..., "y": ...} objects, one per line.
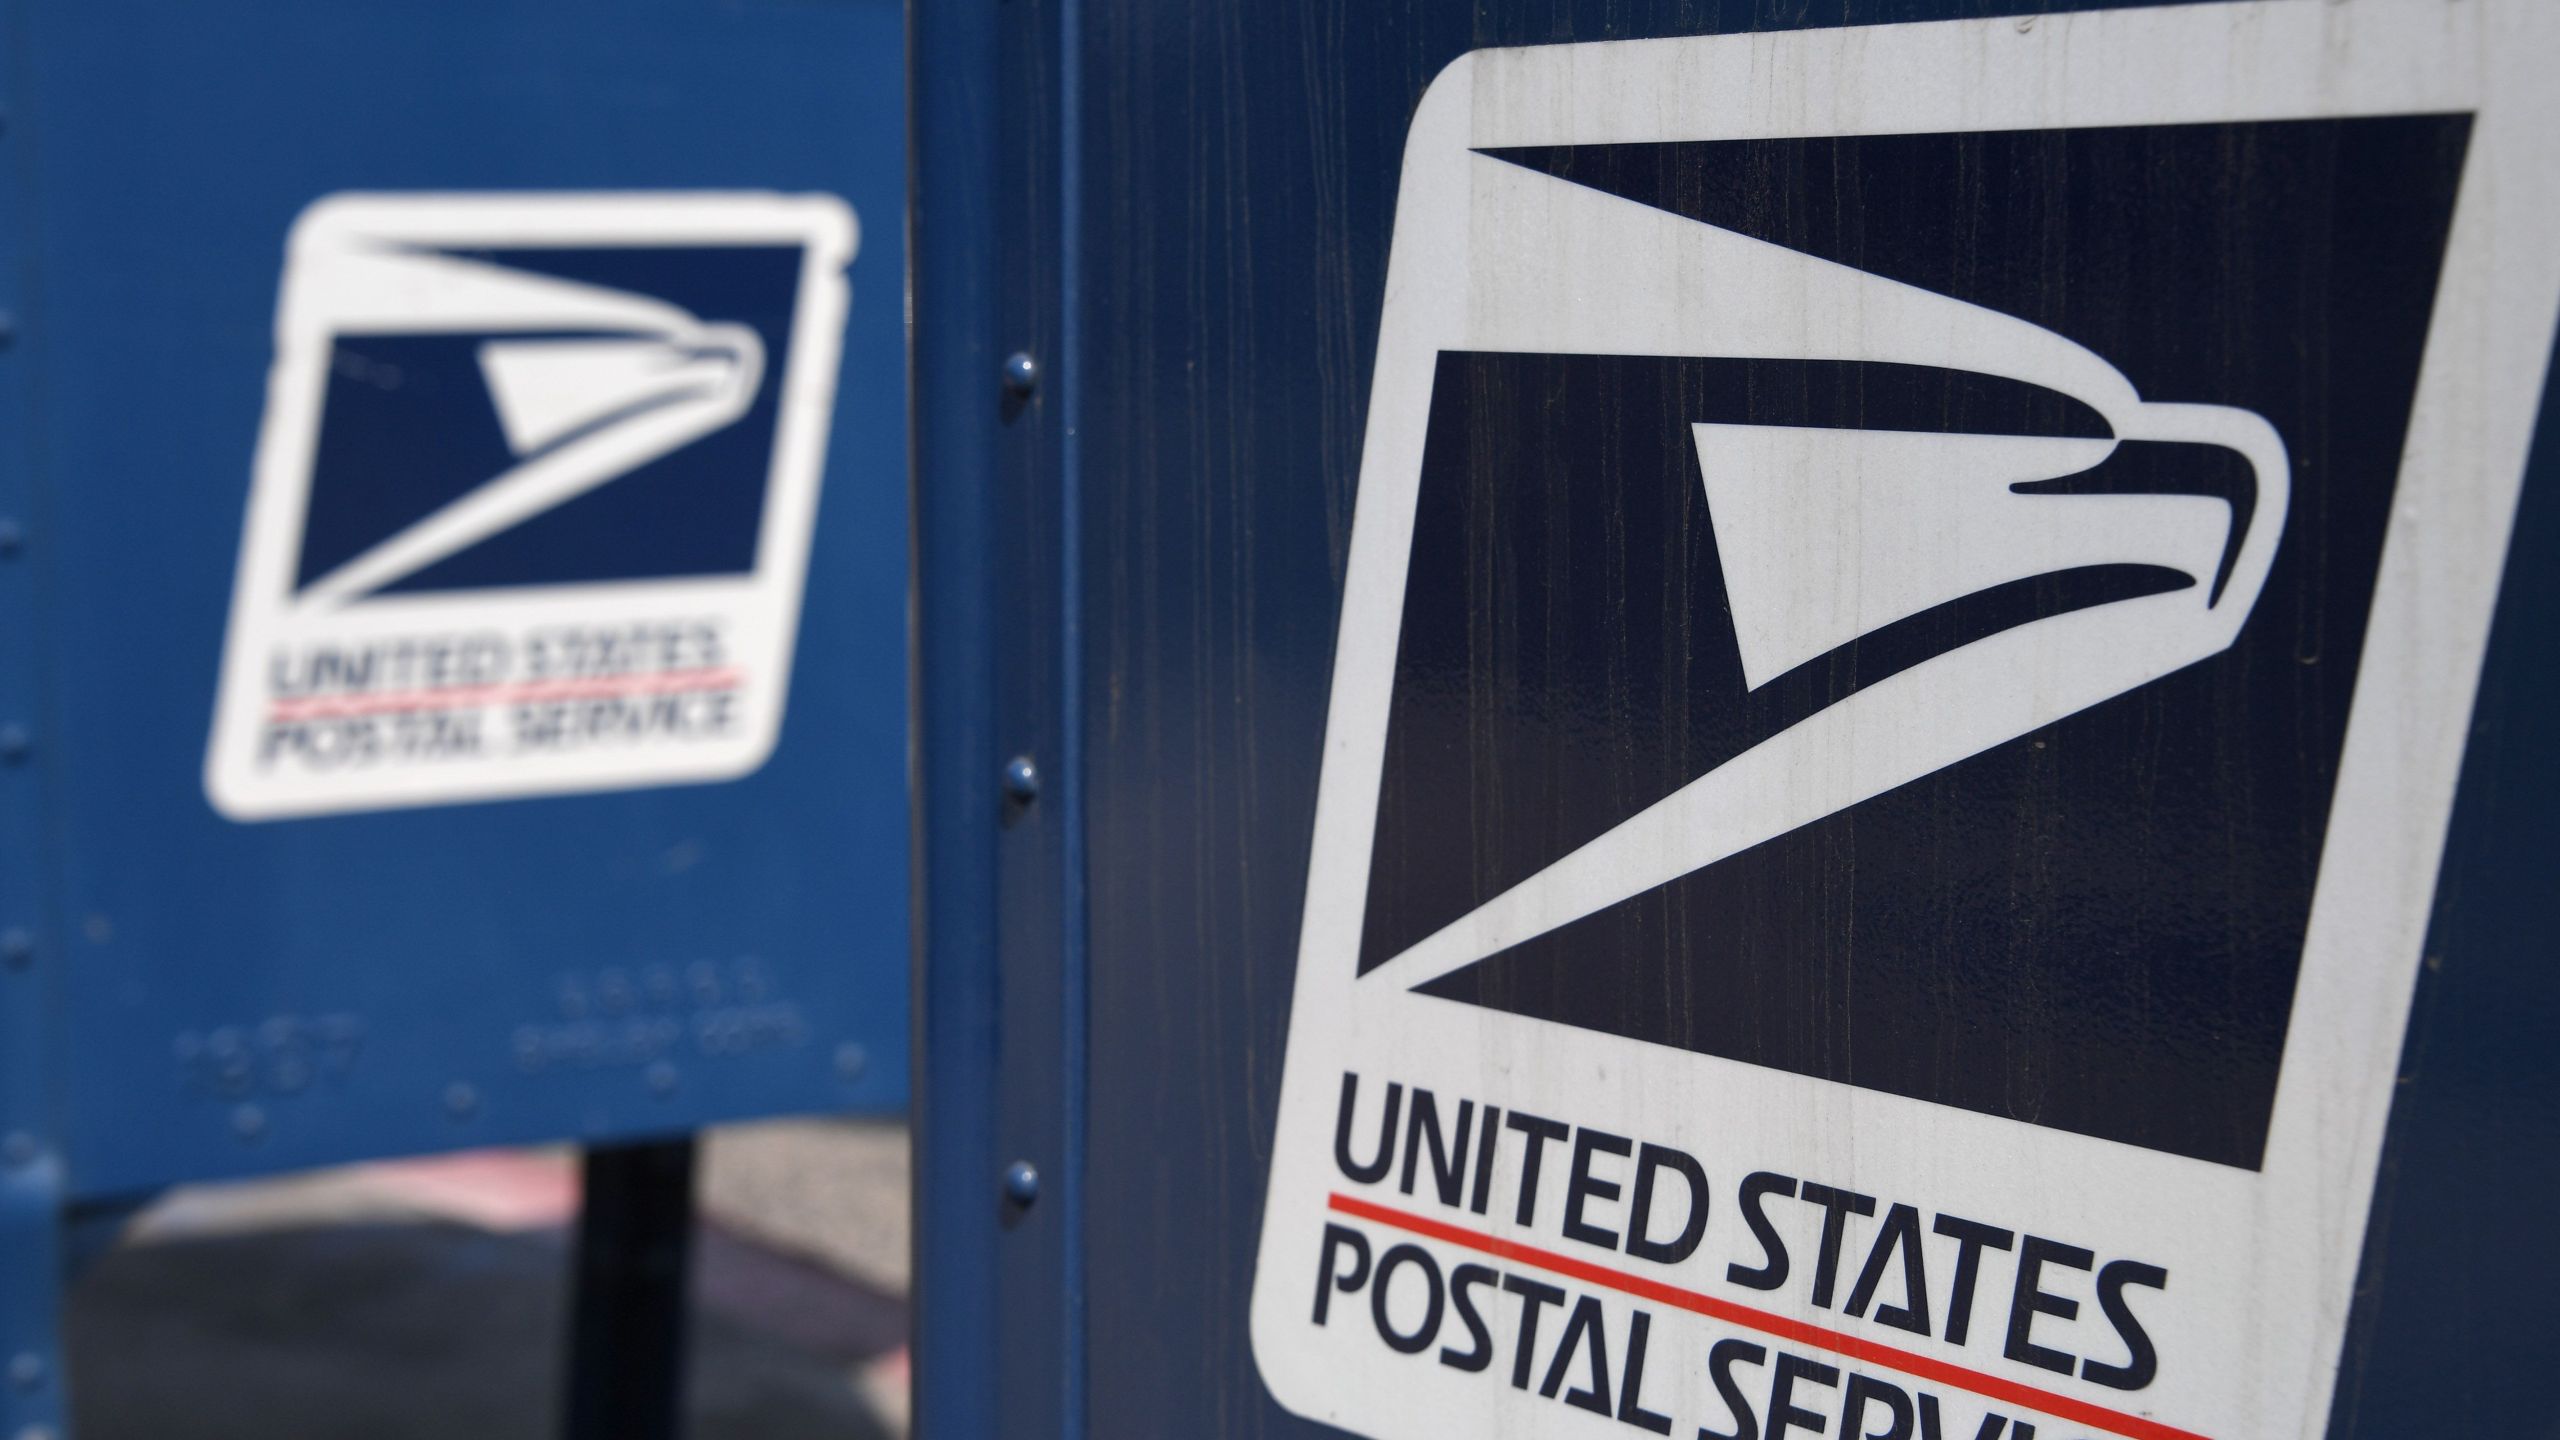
[
  {"x": 1022, "y": 1183},
  {"x": 461, "y": 1100},
  {"x": 852, "y": 1060},
  {"x": 249, "y": 1123},
  {"x": 1021, "y": 373},
  {"x": 1021, "y": 780},
  {"x": 15, "y": 742},
  {"x": 661, "y": 1078},
  {"x": 17, "y": 948},
  {"x": 27, "y": 1370},
  {"x": 13, "y": 537}
]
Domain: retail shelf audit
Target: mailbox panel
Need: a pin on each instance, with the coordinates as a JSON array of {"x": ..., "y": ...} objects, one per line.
[{"x": 518, "y": 393}]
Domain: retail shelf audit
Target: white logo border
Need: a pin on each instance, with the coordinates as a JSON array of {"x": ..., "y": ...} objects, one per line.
[{"x": 764, "y": 605}]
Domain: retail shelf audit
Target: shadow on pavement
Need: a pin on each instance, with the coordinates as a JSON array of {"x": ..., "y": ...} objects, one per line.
[{"x": 433, "y": 1330}]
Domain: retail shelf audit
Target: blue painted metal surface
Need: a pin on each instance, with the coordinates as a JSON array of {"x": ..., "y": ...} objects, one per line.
[
  {"x": 999, "y": 1006},
  {"x": 1190, "y": 210},
  {"x": 237, "y": 998},
  {"x": 32, "y": 1189},
  {"x": 2446, "y": 1332},
  {"x": 959, "y": 1249},
  {"x": 185, "y": 997}
]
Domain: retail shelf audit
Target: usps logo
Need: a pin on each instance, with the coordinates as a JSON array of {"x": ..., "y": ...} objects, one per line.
[
  {"x": 1903, "y": 661},
  {"x": 533, "y": 499}
]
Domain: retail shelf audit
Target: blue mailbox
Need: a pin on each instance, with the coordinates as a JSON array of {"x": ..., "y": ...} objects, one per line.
[
  {"x": 1824, "y": 717},
  {"x": 453, "y": 521}
]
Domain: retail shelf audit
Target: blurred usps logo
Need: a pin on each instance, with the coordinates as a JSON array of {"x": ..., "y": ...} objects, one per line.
[{"x": 533, "y": 496}]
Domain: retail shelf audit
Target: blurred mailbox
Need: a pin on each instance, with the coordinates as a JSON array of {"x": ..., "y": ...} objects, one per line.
[{"x": 454, "y": 462}]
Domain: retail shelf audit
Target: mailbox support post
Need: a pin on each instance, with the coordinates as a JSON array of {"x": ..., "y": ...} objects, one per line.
[{"x": 627, "y": 1307}]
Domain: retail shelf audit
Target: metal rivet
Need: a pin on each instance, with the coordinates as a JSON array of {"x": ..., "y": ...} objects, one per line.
[
  {"x": 13, "y": 537},
  {"x": 1021, "y": 1182},
  {"x": 17, "y": 948},
  {"x": 15, "y": 742},
  {"x": 852, "y": 1060},
  {"x": 20, "y": 1148},
  {"x": 461, "y": 1100},
  {"x": 1021, "y": 779},
  {"x": 8, "y": 329},
  {"x": 249, "y": 1122},
  {"x": 1021, "y": 373},
  {"x": 27, "y": 1369},
  {"x": 662, "y": 1078}
]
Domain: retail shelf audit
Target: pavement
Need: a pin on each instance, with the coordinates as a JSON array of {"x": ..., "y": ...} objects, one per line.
[{"x": 426, "y": 1299}]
